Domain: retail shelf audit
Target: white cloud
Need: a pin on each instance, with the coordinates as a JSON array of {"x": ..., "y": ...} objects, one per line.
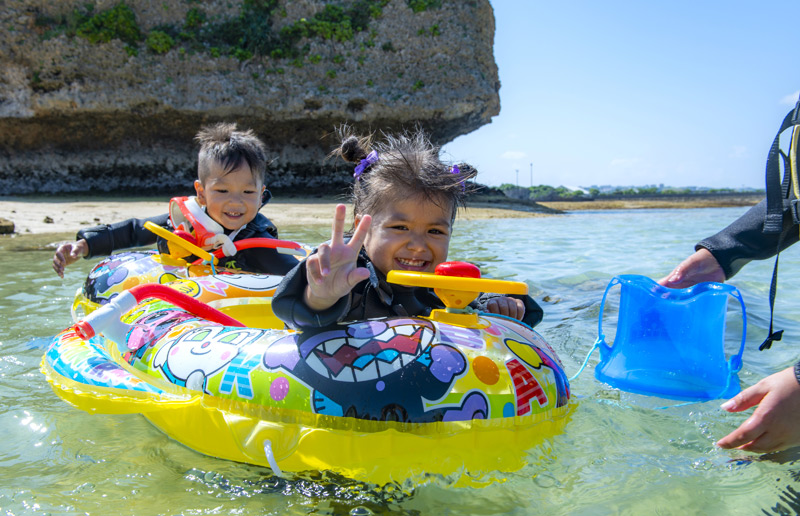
[
  {"x": 512, "y": 155},
  {"x": 790, "y": 99}
]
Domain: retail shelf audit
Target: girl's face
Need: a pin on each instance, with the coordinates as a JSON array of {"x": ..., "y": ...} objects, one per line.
[
  {"x": 232, "y": 199},
  {"x": 412, "y": 235}
]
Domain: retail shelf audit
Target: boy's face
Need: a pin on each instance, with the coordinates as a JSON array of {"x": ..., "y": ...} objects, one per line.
[
  {"x": 232, "y": 199},
  {"x": 412, "y": 235}
]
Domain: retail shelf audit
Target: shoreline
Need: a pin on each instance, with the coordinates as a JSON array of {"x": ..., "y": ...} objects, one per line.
[
  {"x": 62, "y": 217},
  {"x": 658, "y": 202}
]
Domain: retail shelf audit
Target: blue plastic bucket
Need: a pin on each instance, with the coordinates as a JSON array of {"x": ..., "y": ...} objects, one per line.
[{"x": 670, "y": 342}]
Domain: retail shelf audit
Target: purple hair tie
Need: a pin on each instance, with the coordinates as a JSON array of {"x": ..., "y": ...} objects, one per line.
[
  {"x": 455, "y": 170},
  {"x": 365, "y": 163}
]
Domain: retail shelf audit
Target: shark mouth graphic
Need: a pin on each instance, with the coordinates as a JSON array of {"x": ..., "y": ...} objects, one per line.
[{"x": 352, "y": 359}]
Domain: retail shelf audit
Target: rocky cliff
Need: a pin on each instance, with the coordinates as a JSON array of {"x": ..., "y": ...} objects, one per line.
[{"x": 107, "y": 95}]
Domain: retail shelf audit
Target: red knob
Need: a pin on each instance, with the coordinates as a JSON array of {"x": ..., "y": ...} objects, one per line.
[
  {"x": 186, "y": 236},
  {"x": 458, "y": 269}
]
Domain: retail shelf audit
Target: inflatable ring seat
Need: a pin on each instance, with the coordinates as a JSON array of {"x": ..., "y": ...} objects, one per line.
[{"x": 377, "y": 401}]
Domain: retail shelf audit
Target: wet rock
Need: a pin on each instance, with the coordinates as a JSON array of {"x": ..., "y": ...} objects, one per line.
[{"x": 6, "y": 226}]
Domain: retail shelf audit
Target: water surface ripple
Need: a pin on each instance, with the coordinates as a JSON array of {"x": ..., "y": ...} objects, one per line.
[{"x": 620, "y": 453}]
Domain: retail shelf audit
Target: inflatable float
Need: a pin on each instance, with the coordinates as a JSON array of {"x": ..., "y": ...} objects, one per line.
[
  {"x": 123, "y": 271},
  {"x": 377, "y": 400}
]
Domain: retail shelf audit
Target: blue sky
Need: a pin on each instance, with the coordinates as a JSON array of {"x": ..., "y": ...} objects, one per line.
[{"x": 637, "y": 92}]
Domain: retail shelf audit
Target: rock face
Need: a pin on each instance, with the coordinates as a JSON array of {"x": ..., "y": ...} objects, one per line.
[
  {"x": 79, "y": 115},
  {"x": 6, "y": 226}
]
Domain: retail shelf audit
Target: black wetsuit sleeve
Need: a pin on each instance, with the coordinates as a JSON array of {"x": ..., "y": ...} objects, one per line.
[
  {"x": 103, "y": 240},
  {"x": 744, "y": 240},
  {"x": 533, "y": 312},
  {"x": 289, "y": 307}
]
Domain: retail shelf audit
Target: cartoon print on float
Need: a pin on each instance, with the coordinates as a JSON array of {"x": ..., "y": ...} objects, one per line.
[
  {"x": 197, "y": 354},
  {"x": 150, "y": 328},
  {"x": 530, "y": 359},
  {"x": 398, "y": 369},
  {"x": 387, "y": 370},
  {"x": 251, "y": 282},
  {"x": 530, "y": 376},
  {"x": 106, "y": 274},
  {"x": 109, "y": 276},
  {"x": 220, "y": 284}
]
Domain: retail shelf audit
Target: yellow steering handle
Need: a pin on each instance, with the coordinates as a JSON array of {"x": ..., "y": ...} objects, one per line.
[
  {"x": 430, "y": 280},
  {"x": 180, "y": 242}
]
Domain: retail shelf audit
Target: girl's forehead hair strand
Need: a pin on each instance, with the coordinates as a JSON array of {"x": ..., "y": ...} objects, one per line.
[{"x": 408, "y": 165}]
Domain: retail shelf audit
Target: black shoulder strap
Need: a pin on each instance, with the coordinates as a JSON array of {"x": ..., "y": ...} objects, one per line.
[
  {"x": 773, "y": 336},
  {"x": 777, "y": 193},
  {"x": 778, "y": 190}
]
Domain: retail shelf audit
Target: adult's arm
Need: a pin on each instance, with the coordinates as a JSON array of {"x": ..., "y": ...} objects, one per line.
[{"x": 744, "y": 240}]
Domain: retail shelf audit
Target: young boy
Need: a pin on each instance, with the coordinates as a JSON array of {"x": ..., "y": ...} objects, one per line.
[{"x": 230, "y": 191}]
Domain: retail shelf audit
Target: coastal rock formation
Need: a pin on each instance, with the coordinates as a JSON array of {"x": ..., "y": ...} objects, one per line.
[
  {"x": 107, "y": 96},
  {"x": 6, "y": 226}
]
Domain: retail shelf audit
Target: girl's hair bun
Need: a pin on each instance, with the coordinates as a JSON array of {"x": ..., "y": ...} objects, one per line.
[{"x": 351, "y": 150}]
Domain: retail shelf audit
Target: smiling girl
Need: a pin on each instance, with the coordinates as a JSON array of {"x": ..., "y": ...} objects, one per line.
[{"x": 405, "y": 201}]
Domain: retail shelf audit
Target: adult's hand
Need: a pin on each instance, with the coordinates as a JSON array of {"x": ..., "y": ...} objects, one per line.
[
  {"x": 775, "y": 423},
  {"x": 697, "y": 268}
]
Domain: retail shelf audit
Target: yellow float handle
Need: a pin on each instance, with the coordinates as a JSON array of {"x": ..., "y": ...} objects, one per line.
[
  {"x": 175, "y": 239},
  {"x": 430, "y": 280}
]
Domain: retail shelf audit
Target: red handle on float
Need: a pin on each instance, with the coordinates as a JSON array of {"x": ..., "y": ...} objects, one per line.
[
  {"x": 181, "y": 300},
  {"x": 109, "y": 314},
  {"x": 269, "y": 243}
]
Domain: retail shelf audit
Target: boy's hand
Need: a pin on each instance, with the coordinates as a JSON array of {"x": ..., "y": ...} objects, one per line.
[
  {"x": 508, "y": 306},
  {"x": 69, "y": 253},
  {"x": 332, "y": 271}
]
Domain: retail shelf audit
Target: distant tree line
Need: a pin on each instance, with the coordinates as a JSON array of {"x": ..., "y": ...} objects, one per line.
[{"x": 562, "y": 193}]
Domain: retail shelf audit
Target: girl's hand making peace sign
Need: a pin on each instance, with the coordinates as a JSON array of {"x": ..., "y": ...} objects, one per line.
[{"x": 331, "y": 272}]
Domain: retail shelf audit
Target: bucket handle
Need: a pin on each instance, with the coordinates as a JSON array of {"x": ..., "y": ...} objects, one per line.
[
  {"x": 735, "y": 362},
  {"x": 601, "y": 339}
]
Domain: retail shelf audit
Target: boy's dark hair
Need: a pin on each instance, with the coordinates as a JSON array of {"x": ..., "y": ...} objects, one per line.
[
  {"x": 222, "y": 143},
  {"x": 405, "y": 166}
]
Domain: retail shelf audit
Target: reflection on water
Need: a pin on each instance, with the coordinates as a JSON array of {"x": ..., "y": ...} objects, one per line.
[{"x": 620, "y": 453}]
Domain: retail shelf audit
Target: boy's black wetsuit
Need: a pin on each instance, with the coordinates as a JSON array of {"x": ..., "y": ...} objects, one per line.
[
  {"x": 103, "y": 240},
  {"x": 743, "y": 240},
  {"x": 369, "y": 299}
]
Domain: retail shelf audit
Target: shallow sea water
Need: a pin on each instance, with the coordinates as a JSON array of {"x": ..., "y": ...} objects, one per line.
[{"x": 619, "y": 454}]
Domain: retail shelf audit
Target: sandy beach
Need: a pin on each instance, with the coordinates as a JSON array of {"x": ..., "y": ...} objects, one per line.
[{"x": 64, "y": 216}]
